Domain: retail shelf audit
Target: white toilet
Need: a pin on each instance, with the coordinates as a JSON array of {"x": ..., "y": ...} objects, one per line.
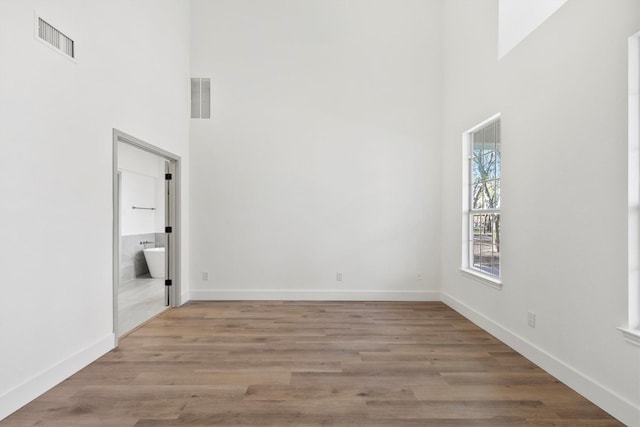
[{"x": 155, "y": 262}]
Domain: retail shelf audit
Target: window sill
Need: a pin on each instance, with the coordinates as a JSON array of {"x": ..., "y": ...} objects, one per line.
[
  {"x": 485, "y": 279},
  {"x": 632, "y": 336}
]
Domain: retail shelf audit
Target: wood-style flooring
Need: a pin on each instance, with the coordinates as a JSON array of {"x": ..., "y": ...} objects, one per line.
[{"x": 310, "y": 364}]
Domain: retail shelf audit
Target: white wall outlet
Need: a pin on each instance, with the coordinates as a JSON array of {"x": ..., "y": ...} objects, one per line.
[
  {"x": 531, "y": 319},
  {"x": 419, "y": 276},
  {"x": 339, "y": 277},
  {"x": 205, "y": 275}
]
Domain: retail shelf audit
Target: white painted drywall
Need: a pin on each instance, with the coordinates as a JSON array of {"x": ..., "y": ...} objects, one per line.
[
  {"x": 323, "y": 153},
  {"x": 519, "y": 18},
  {"x": 56, "y": 121},
  {"x": 137, "y": 190},
  {"x": 142, "y": 185},
  {"x": 563, "y": 99}
]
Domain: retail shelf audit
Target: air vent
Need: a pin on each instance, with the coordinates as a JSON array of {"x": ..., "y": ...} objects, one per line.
[
  {"x": 56, "y": 39},
  {"x": 200, "y": 98}
]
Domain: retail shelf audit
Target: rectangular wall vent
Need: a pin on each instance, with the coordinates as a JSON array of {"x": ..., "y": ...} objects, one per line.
[
  {"x": 53, "y": 37},
  {"x": 200, "y": 98}
]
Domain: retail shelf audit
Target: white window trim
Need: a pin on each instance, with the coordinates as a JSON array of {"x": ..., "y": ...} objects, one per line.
[
  {"x": 466, "y": 269},
  {"x": 631, "y": 332},
  {"x": 485, "y": 279},
  {"x": 632, "y": 336}
]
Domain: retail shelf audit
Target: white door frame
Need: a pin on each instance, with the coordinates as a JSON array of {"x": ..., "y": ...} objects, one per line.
[{"x": 173, "y": 220}]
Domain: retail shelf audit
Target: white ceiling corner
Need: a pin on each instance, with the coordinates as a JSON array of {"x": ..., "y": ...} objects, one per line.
[{"x": 519, "y": 18}]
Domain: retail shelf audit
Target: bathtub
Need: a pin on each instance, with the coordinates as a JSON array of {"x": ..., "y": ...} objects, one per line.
[{"x": 155, "y": 262}]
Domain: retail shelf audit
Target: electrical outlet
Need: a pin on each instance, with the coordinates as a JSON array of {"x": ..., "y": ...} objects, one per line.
[
  {"x": 531, "y": 319},
  {"x": 339, "y": 277},
  {"x": 205, "y": 275},
  {"x": 419, "y": 276}
]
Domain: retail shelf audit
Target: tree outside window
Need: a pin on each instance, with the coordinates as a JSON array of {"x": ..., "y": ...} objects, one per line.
[{"x": 484, "y": 193}]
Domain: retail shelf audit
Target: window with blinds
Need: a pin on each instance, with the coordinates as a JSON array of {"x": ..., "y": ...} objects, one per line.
[{"x": 482, "y": 167}]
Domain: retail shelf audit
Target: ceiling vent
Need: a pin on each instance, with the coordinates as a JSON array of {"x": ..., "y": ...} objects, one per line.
[
  {"x": 200, "y": 98},
  {"x": 55, "y": 38}
]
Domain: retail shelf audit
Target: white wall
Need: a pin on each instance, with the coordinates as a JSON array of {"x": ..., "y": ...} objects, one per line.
[
  {"x": 57, "y": 117},
  {"x": 142, "y": 185},
  {"x": 563, "y": 98},
  {"x": 137, "y": 190},
  {"x": 323, "y": 152}
]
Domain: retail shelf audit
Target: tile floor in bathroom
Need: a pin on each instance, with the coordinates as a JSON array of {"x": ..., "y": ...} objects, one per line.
[{"x": 138, "y": 301}]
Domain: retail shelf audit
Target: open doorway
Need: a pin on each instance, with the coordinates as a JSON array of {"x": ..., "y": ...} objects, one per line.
[{"x": 145, "y": 236}]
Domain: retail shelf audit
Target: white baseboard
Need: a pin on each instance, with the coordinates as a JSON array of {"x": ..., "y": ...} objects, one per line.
[
  {"x": 619, "y": 407},
  {"x": 24, "y": 393},
  {"x": 184, "y": 297},
  {"x": 231, "y": 295}
]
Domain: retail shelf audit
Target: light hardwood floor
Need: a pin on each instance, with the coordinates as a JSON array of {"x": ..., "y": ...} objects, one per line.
[{"x": 311, "y": 364}]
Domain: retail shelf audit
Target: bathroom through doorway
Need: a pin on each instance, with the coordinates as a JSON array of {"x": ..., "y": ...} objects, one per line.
[{"x": 144, "y": 234}]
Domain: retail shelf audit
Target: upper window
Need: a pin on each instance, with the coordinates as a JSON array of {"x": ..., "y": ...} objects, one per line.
[
  {"x": 632, "y": 330},
  {"x": 483, "y": 166}
]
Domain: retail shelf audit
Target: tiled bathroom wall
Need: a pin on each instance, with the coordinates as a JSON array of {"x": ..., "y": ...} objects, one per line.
[{"x": 132, "y": 262}]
